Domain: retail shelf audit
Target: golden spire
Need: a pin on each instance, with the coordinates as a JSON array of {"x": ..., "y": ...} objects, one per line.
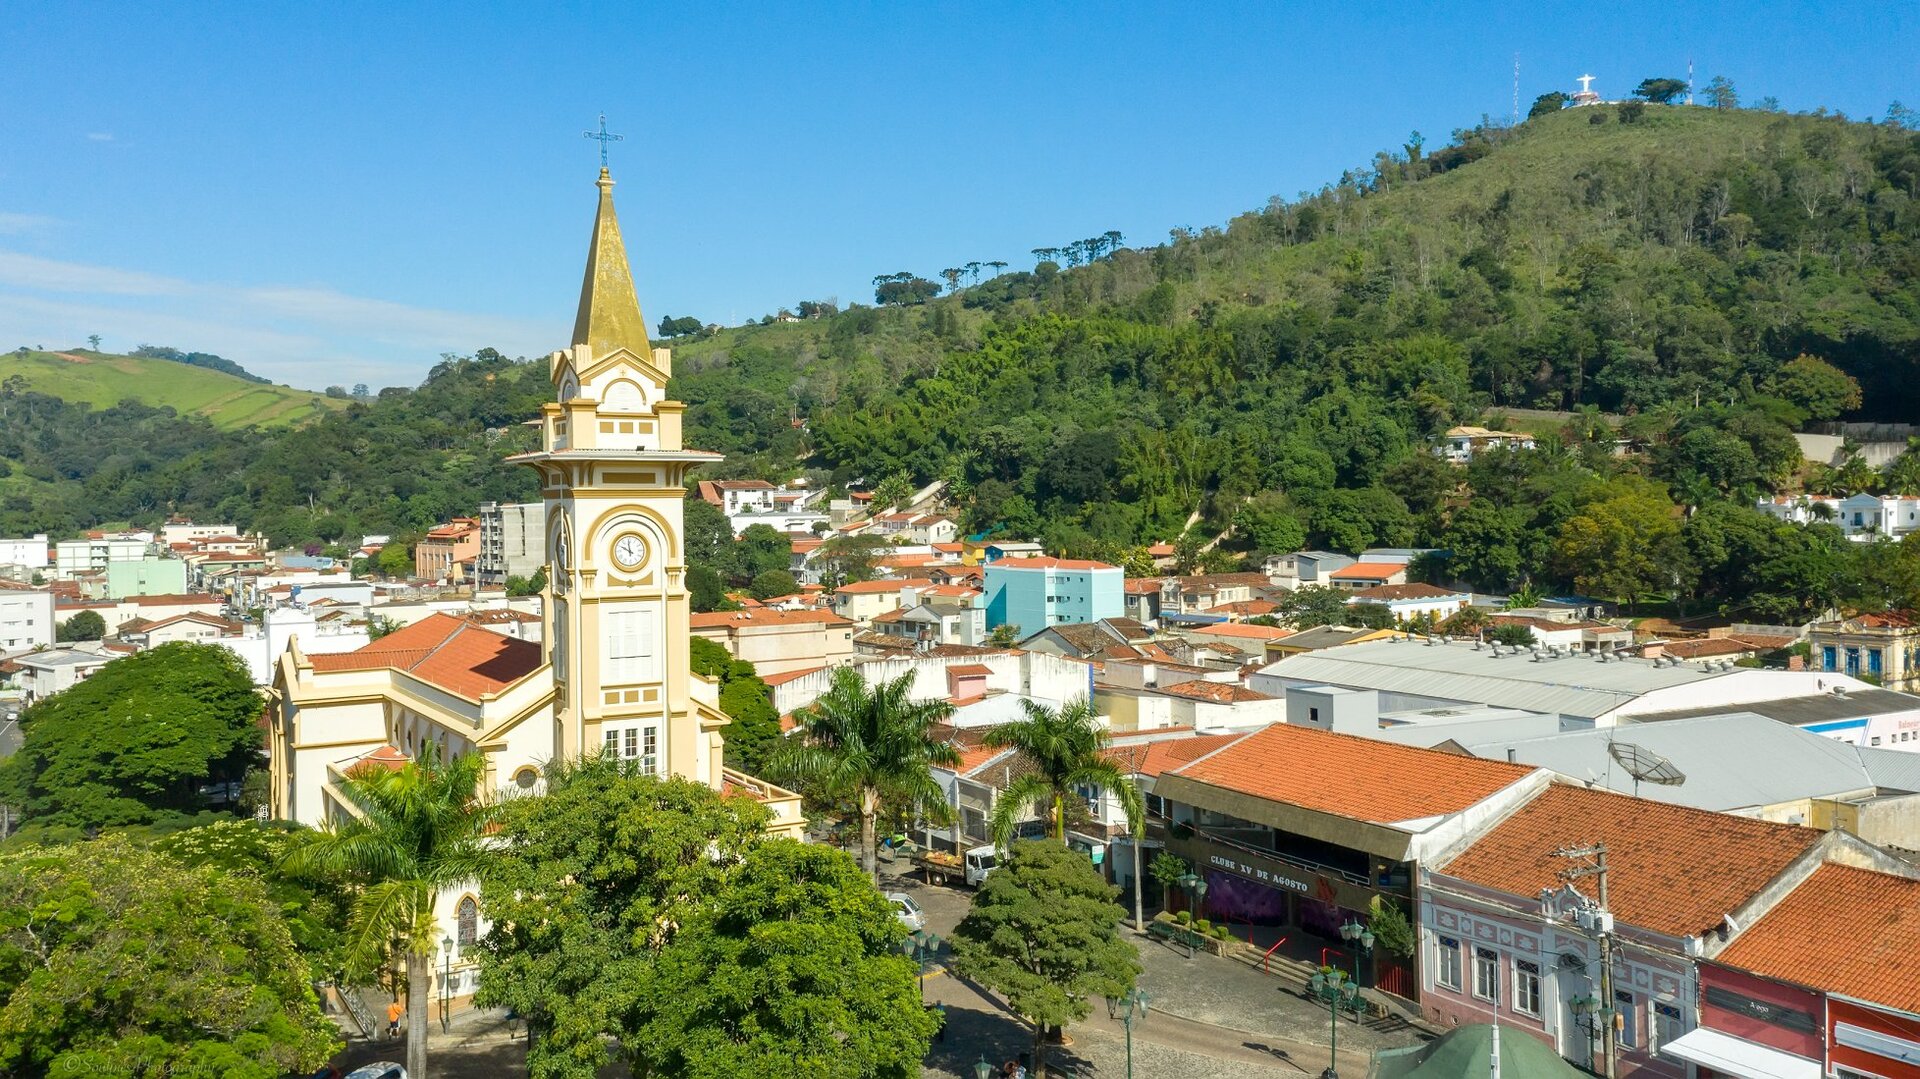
[{"x": 609, "y": 317}]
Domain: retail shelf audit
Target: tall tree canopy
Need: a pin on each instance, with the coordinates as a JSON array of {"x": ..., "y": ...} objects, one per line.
[
  {"x": 136, "y": 742},
  {"x": 120, "y": 961}
]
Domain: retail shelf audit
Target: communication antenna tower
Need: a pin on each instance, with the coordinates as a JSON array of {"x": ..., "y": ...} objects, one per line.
[
  {"x": 1516, "y": 88},
  {"x": 1689, "y": 80}
]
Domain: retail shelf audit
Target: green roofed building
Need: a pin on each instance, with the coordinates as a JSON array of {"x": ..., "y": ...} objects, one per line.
[{"x": 1468, "y": 1053}]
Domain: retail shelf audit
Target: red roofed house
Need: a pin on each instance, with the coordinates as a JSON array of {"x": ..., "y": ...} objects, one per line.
[
  {"x": 1305, "y": 828},
  {"x": 1410, "y": 601},
  {"x": 1362, "y": 575},
  {"x": 1826, "y": 982},
  {"x": 1504, "y": 930},
  {"x": 446, "y": 549}
]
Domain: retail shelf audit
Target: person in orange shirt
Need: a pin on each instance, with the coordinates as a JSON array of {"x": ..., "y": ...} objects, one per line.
[{"x": 394, "y": 1012}]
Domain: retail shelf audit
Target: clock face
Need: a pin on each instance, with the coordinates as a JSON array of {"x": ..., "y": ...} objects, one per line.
[{"x": 629, "y": 551}]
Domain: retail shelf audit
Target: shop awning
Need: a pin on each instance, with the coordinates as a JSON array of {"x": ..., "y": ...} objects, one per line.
[{"x": 1738, "y": 1057}]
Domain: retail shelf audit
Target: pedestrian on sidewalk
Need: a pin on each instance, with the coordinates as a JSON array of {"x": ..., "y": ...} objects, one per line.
[{"x": 394, "y": 1012}]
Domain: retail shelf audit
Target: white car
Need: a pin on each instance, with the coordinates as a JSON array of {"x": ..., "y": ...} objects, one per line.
[
  {"x": 907, "y": 911},
  {"x": 385, "y": 1069}
]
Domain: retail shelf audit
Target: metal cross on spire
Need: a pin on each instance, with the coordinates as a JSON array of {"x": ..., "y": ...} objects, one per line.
[{"x": 603, "y": 138}]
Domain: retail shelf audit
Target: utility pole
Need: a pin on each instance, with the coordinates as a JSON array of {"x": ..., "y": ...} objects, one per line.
[{"x": 1593, "y": 863}]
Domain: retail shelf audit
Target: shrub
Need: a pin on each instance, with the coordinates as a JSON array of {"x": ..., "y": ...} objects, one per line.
[
  {"x": 1184, "y": 917},
  {"x": 1203, "y": 925},
  {"x": 1221, "y": 932}
]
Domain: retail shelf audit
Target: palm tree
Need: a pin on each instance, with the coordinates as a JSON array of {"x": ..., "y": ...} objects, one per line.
[
  {"x": 1067, "y": 748},
  {"x": 419, "y": 829},
  {"x": 1855, "y": 475},
  {"x": 1902, "y": 474},
  {"x": 874, "y": 744}
]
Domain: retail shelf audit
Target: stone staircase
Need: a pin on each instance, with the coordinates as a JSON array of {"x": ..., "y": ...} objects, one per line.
[{"x": 1384, "y": 1013}]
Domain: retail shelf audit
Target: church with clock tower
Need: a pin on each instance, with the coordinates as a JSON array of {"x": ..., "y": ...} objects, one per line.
[{"x": 611, "y": 673}]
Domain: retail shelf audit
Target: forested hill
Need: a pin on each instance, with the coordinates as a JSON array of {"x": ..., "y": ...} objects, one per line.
[{"x": 1283, "y": 373}]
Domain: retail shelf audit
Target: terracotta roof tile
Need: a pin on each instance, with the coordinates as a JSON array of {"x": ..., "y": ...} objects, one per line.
[
  {"x": 1368, "y": 571},
  {"x": 784, "y": 677},
  {"x": 1049, "y": 562},
  {"x": 1153, "y": 758},
  {"x": 1243, "y": 631},
  {"x": 975, "y": 669},
  {"x": 1407, "y": 591},
  {"x": 445, "y": 651},
  {"x": 1670, "y": 869},
  {"x": 1843, "y": 930},
  {"x": 1217, "y": 692},
  {"x": 1710, "y": 646},
  {"x": 882, "y": 587},
  {"x": 1379, "y": 781}
]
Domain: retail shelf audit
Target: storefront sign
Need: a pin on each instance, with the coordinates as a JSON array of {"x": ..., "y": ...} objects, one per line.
[
  {"x": 1274, "y": 873},
  {"x": 1235, "y": 865}
]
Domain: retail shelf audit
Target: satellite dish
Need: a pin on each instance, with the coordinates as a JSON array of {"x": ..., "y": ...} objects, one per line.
[{"x": 1643, "y": 763}]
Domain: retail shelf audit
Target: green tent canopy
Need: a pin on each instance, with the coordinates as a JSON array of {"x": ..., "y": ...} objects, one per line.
[{"x": 1467, "y": 1053}]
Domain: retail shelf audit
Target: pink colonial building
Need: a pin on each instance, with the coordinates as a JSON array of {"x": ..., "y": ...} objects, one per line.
[{"x": 1504, "y": 931}]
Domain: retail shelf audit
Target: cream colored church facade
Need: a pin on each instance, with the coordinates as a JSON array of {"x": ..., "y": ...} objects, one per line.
[{"x": 611, "y": 671}]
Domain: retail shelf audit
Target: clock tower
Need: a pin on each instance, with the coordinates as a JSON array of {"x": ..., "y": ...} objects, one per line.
[{"x": 613, "y": 474}]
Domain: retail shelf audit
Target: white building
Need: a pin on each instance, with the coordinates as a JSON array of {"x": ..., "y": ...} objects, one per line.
[
  {"x": 188, "y": 532},
  {"x": 1410, "y": 601},
  {"x": 1861, "y": 516},
  {"x": 26, "y": 618},
  {"x": 513, "y": 539},
  {"x": 30, "y": 552},
  {"x": 1598, "y": 688},
  {"x": 43, "y": 674},
  {"x": 75, "y": 557},
  {"x": 1461, "y": 443}
]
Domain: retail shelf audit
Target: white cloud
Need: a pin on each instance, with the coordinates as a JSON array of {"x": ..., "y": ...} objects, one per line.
[
  {"x": 12, "y": 224},
  {"x": 308, "y": 337}
]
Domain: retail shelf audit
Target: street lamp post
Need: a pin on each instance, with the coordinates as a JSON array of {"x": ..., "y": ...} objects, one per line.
[
  {"x": 982, "y": 1069},
  {"x": 1336, "y": 991},
  {"x": 1360, "y": 939},
  {"x": 1196, "y": 888},
  {"x": 1125, "y": 1009},
  {"x": 922, "y": 947},
  {"x": 446, "y": 981}
]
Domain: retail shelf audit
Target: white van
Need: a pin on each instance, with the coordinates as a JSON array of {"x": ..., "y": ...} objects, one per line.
[{"x": 980, "y": 862}]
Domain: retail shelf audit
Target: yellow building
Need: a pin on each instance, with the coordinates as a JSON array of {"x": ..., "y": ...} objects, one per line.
[{"x": 611, "y": 671}]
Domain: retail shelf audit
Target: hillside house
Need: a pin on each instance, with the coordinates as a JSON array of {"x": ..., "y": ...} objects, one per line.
[
  {"x": 1411, "y": 601},
  {"x": 1303, "y": 568},
  {"x": 1881, "y": 645},
  {"x": 1462, "y": 443}
]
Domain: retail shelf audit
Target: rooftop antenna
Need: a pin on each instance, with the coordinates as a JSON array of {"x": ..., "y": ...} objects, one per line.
[{"x": 1644, "y": 764}]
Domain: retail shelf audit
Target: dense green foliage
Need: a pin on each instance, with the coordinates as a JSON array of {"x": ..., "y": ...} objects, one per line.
[
  {"x": 197, "y": 359},
  {"x": 316, "y": 909},
  {"x": 583, "y": 891},
  {"x": 1043, "y": 933},
  {"x": 136, "y": 743},
  {"x": 115, "y": 961},
  {"x": 744, "y": 698},
  {"x": 792, "y": 968},
  {"x": 1683, "y": 285}
]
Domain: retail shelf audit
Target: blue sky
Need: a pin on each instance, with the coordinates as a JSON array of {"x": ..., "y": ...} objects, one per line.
[{"x": 340, "y": 195}]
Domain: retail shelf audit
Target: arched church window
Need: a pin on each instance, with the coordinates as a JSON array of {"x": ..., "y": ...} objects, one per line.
[{"x": 468, "y": 914}]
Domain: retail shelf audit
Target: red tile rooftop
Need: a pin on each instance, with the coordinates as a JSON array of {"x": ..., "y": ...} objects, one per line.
[
  {"x": 445, "y": 651},
  {"x": 1379, "y": 781},
  {"x": 1847, "y": 931},
  {"x": 1670, "y": 869}
]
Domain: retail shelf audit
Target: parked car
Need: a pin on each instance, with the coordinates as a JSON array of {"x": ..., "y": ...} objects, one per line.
[
  {"x": 907, "y": 911},
  {"x": 385, "y": 1069}
]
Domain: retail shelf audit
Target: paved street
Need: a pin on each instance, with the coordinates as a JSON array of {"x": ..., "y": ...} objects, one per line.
[{"x": 1211, "y": 1019}]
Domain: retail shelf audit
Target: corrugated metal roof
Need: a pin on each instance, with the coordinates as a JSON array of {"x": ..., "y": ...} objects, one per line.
[
  {"x": 1735, "y": 761},
  {"x": 1815, "y": 708},
  {"x": 1571, "y": 685}
]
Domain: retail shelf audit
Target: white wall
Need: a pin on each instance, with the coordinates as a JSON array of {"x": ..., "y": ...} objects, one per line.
[
  {"x": 26, "y": 620},
  {"x": 30, "y": 552}
]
